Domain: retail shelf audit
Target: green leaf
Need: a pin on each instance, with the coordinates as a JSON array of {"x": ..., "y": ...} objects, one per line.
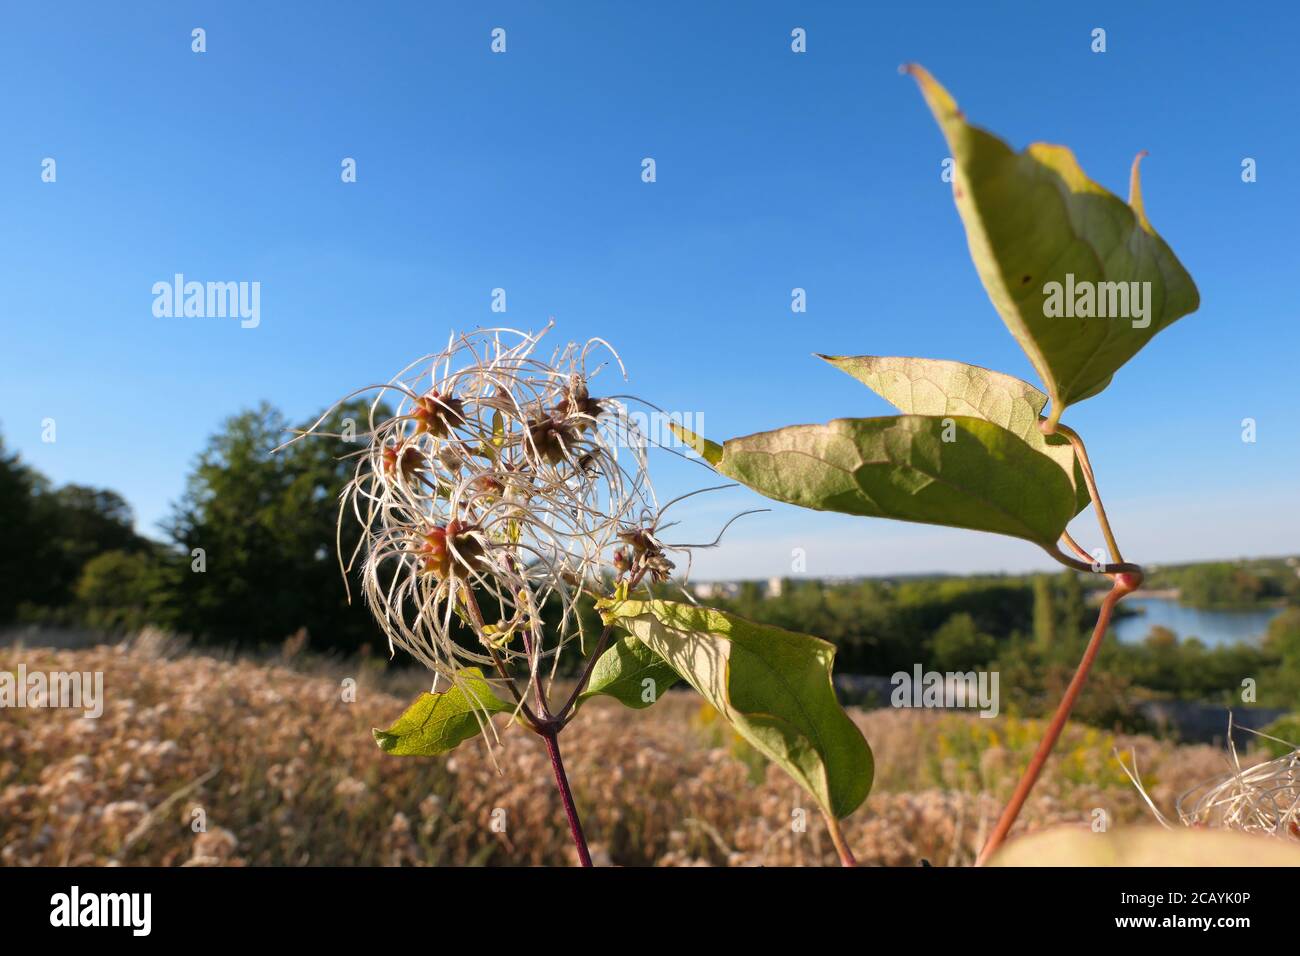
[
  {"x": 919, "y": 386},
  {"x": 624, "y": 669},
  {"x": 437, "y": 723},
  {"x": 1032, "y": 219},
  {"x": 708, "y": 450},
  {"x": 772, "y": 685},
  {"x": 956, "y": 470}
]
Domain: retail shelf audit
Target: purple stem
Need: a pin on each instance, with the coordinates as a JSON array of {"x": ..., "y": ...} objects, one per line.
[{"x": 566, "y": 795}]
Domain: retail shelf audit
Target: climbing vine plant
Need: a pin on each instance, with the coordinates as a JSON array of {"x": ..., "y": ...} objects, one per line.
[{"x": 1083, "y": 282}]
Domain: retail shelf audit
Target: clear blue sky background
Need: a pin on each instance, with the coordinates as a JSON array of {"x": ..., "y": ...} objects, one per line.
[{"x": 522, "y": 171}]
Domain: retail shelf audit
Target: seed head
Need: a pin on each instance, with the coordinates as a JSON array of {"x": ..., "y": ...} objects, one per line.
[{"x": 493, "y": 492}]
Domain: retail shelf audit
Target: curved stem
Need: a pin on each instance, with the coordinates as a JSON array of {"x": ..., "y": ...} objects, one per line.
[
  {"x": 837, "y": 837},
  {"x": 1110, "y": 569},
  {"x": 476, "y": 618},
  {"x": 510, "y": 685},
  {"x": 1090, "y": 479},
  {"x": 1075, "y": 546},
  {"x": 566, "y": 796},
  {"x": 534, "y": 679},
  {"x": 565, "y": 713},
  {"x": 1123, "y": 585}
]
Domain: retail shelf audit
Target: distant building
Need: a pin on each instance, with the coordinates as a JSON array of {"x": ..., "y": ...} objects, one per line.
[{"x": 716, "y": 589}]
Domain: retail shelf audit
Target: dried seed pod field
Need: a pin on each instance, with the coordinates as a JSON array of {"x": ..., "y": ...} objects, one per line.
[{"x": 202, "y": 760}]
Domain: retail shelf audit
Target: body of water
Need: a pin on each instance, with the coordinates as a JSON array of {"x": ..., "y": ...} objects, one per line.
[{"x": 1211, "y": 627}]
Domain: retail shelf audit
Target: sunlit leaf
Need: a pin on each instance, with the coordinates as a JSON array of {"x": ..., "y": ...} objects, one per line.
[
  {"x": 437, "y": 723},
  {"x": 920, "y": 386},
  {"x": 773, "y": 686},
  {"x": 708, "y": 450},
  {"x": 954, "y": 470},
  {"x": 631, "y": 673},
  {"x": 1034, "y": 219}
]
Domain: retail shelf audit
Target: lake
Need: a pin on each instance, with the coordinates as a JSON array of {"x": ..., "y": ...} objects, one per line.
[{"x": 1212, "y": 627}]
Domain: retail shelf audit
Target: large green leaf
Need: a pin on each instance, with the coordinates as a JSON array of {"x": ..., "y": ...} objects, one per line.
[
  {"x": 1034, "y": 218},
  {"x": 631, "y": 673},
  {"x": 920, "y": 386},
  {"x": 437, "y": 723},
  {"x": 956, "y": 470},
  {"x": 773, "y": 686}
]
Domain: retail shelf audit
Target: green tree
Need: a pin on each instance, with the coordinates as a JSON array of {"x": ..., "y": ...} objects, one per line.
[
  {"x": 1161, "y": 638},
  {"x": 1044, "y": 612},
  {"x": 255, "y": 535},
  {"x": 1222, "y": 585},
  {"x": 1072, "y": 611},
  {"x": 124, "y": 591},
  {"x": 48, "y": 536},
  {"x": 20, "y": 538},
  {"x": 77, "y": 523},
  {"x": 959, "y": 646},
  {"x": 1283, "y": 640}
]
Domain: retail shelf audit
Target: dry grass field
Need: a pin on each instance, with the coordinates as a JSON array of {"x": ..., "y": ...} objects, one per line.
[{"x": 281, "y": 771}]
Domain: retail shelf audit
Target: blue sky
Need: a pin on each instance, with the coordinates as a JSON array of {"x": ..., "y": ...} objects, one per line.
[{"x": 522, "y": 171}]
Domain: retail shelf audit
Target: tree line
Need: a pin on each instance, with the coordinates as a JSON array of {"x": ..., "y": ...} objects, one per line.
[
  {"x": 1032, "y": 629},
  {"x": 247, "y": 555}
]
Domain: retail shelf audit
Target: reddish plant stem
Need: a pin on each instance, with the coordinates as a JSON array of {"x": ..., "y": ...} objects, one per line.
[
  {"x": 566, "y": 712},
  {"x": 1124, "y": 583},
  {"x": 1127, "y": 578},
  {"x": 837, "y": 837},
  {"x": 1077, "y": 548},
  {"x": 476, "y": 616},
  {"x": 547, "y": 726},
  {"x": 1110, "y": 570},
  {"x": 1090, "y": 480},
  {"x": 566, "y": 795}
]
